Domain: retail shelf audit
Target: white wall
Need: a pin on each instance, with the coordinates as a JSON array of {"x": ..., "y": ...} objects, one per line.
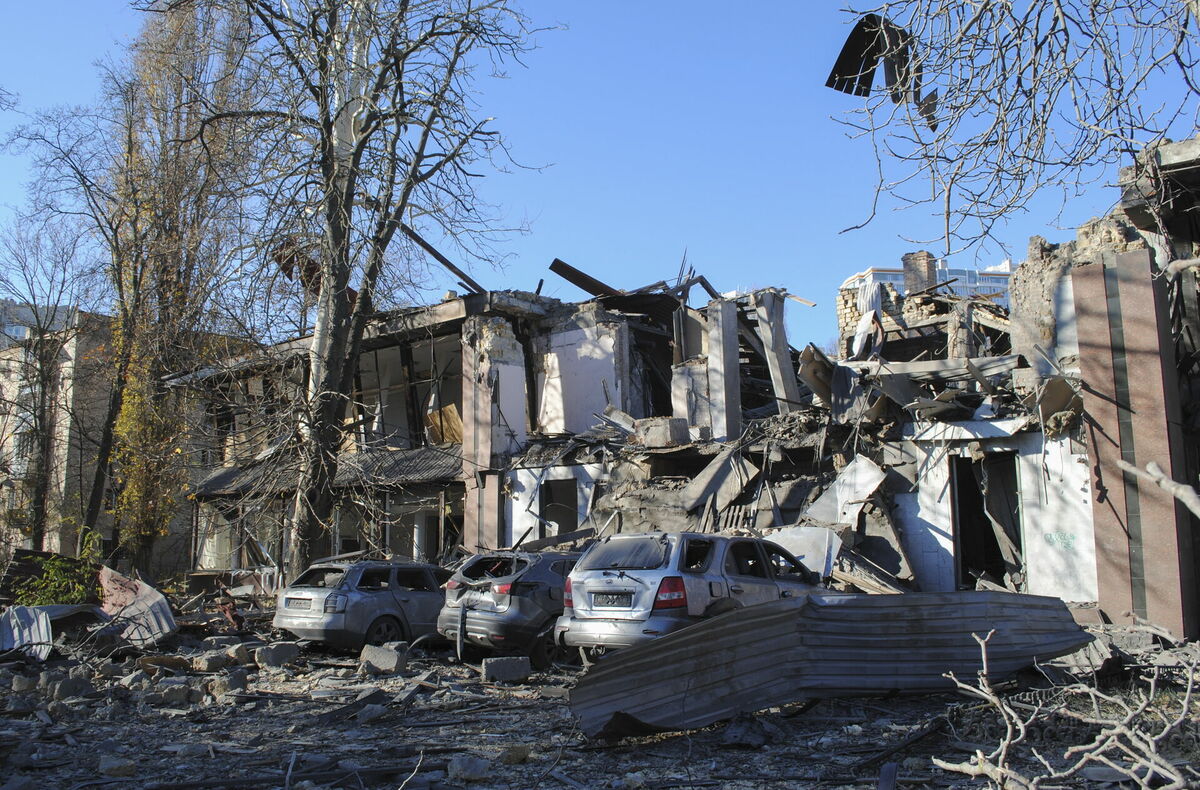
[
  {"x": 522, "y": 504},
  {"x": 580, "y": 362},
  {"x": 1057, "y": 535}
]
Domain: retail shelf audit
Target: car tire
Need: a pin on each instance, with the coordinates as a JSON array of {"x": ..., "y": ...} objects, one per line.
[
  {"x": 384, "y": 629},
  {"x": 543, "y": 652}
]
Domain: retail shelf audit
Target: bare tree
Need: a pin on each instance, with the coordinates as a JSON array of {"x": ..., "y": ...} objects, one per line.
[
  {"x": 159, "y": 205},
  {"x": 365, "y": 119},
  {"x": 41, "y": 284},
  {"x": 1030, "y": 96}
]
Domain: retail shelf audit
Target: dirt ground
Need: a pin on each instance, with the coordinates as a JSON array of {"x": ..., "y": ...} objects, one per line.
[{"x": 319, "y": 722}]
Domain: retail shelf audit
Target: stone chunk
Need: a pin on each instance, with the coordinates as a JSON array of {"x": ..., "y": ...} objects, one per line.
[
  {"x": 117, "y": 766},
  {"x": 370, "y": 713},
  {"x": 238, "y": 654},
  {"x": 515, "y": 755},
  {"x": 23, "y": 683},
  {"x": 71, "y": 687},
  {"x": 378, "y": 659},
  {"x": 216, "y": 642},
  {"x": 277, "y": 654},
  {"x": 235, "y": 680},
  {"x": 661, "y": 431},
  {"x": 212, "y": 661},
  {"x": 506, "y": 669},
  {"x": 466, "y": 768}
]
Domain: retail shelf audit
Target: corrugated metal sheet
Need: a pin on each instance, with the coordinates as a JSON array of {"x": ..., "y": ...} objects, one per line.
[
  {"x": 26, "y": 628},
  {"x": 141, "y": 612},
  {"x": 369, "y": 467},
  {"x": 819, "y": 645}
]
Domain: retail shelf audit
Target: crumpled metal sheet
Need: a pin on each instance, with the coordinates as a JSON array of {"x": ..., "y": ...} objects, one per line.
[
  {"x": 814, "y": 646},
  {"x": 26, "y": 628},
  {"x": 842, "y": 501},
  {"x": 142, "y": 610}
]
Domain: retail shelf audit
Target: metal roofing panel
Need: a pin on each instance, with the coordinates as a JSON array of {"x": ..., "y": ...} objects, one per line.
[
  {"x": 817, "y": 645},
  {"x": 369, "y": 467}
]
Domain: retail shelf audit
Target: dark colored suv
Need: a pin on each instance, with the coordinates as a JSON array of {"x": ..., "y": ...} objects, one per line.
[{"x": 508, "y": 602}]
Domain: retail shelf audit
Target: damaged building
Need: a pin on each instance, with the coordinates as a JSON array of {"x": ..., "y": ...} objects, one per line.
[{"x": 953, "y": 442}]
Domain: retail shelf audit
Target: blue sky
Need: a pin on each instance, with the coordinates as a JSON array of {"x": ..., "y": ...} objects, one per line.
[{"x": 658, "y": 127}]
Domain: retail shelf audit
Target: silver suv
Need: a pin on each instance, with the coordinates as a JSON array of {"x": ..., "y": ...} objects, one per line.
[
  {"x": 628, "y": 589},
  {"x": 349, "y": 604}
]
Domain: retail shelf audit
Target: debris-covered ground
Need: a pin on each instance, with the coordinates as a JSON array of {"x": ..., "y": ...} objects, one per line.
[{"x": 227, "y": 713}]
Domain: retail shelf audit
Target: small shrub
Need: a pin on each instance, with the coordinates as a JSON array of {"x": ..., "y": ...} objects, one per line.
[{"x": 64, "y": 580}]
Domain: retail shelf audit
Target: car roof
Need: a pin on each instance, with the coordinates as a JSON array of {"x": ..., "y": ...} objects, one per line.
[{"x": 345, "y": 566}]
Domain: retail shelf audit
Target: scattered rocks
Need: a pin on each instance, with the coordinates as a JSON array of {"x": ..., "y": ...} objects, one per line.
[
  {"x": 506, "y": 669},
  {"x": 384, "y": 660},
  {"x": 276, "y": 655}
]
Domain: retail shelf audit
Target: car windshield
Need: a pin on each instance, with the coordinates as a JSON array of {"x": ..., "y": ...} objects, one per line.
[
  {"x": 320, "y": 577},
  {"x": 633, "y": 554}
]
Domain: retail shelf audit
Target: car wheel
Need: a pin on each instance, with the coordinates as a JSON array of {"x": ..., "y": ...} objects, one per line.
[
  {"x": 543, "y": 653},
  {"x": 383, "y": 630}
]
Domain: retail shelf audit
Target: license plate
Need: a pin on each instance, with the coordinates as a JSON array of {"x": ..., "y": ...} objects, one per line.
[
  {"x": 612, "y": 599},
  {"x": 298, "y": 603}
]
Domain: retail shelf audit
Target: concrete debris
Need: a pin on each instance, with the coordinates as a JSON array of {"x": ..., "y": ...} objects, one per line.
[
  {"x": 506, "y": 669},
  {"x": 276, "y": 655},
  {"x": 384, "y": 659}
]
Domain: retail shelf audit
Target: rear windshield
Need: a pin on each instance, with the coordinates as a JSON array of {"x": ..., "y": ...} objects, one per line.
[
  {"x": 320, "y": 577},
  {"x": 492, "y": 566},
  {"x": 632, "y": 554}
]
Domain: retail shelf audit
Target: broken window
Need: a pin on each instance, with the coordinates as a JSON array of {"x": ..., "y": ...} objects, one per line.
[
  {"x": 632, "y": 554},
  {"x": 375, "y": 579},
  {"x": 786, "y": 567},
  {"x": 320, "y": 577},
  {"x": 987, "y": 521},
  {"x": 697, "y": 553},
  {"x": 491, "y": 566},
  {"x": 412, "y": 579},
  {"x": 744, "y": 559}
]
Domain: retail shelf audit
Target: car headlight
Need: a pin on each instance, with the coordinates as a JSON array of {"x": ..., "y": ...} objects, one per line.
[{"x": 335, "y": 602}]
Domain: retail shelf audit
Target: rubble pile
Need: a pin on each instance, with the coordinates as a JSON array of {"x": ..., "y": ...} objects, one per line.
[{"x": 236, "y": 715}]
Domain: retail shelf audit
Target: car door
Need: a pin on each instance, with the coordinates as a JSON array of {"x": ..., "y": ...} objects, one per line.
[
  {"x": 746, "y": 570},
  {"x": 419, "y": 597},
  {"x": 373, "y": 598},
  {"x": 791, "y": 575}
]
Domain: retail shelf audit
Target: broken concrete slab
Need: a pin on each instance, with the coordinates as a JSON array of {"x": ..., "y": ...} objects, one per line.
[
  {"x": 506, "y": 669},
  {"x": 276, "y": 654},
  {"x": 384, "y": 660},
  {"x": 657, "y": 432}
]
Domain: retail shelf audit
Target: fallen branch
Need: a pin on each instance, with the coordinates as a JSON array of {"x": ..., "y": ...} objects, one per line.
[{"x": 1154, "y": 473}]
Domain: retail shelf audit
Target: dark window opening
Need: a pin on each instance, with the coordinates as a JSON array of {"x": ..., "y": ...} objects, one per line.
[
  {"x": 374, "y": 579},
  {"x": 696, "y": 555},
  {"x": 987, "y": 521},
  {"x": 412, "y": 579},
  {"x": 744, "y": 559},
  {"x": 560, "y": 505}
]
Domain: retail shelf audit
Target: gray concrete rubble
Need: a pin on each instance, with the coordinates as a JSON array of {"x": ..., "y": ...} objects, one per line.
[{"x": 322, "y": 721}]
